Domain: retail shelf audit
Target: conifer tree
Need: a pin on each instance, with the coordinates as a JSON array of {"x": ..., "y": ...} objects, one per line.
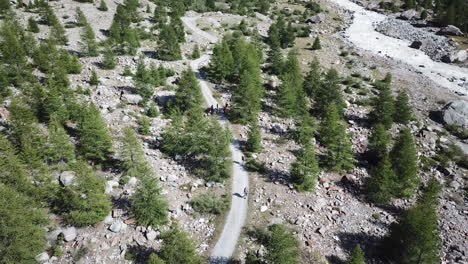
[
  {"x": 254, "y": 139},
  {"x": 357, "y": 257},
  {"x": 380, "y": 184},
  {"x": 304, "y": 172},
  {"x": 95, "y": 140},
  {"x": 59, "y": 146},
  {"x": 160, "y": 16},
  {"x": 4, "y": 6},
  {"x": 81, "y": 20},
  {"x": 274, "y": 35},
  {"x": 13, "y": 53},
  {"x": 84, "y": 202},
  {"x": 89, "y": 46},
  {"x": 222, "y": 62},
  {"x": 378, "y": 144},
  {"x": 316, "y": 45},
  {"x": 32, "y": 25},
  {"x": 275, "y": 59},
  {"x": 94, "y": 80},
  {"x": 13, "y": 171},
  {"x": 133, "y": 157},
  {"x": 103, "y": 6},
  {"x": 196, "y": 52},
  {"x": 403, "y": 113},
  {"x": 154, "y": 259},
  {"x": 404, "y": 161},
  {"x": 210, "y": 4},
  {"x": 178, "y": 27},
  {"x": 282, "y": 246},
  {"x": 148, "y": 205},
  {"x": 287, "y": 36},
  {"x": 22, "y": 236},
  {"x": 305, "y": 129},
  {"x": 290, "y": 97},
  {"x": 109, "y": 59},
  {"x": 177, "y": 247},
  {"x": 188, "y": 96},
  {"x": 313, "y": 79},
  {"x": 57, "y": 32},
  {"x": 121, "y": 33},
  {"x": 169, "y": 48},
  {"x": 247, "y": 96},
  {"x": 339, "y": 155},
  {"x": 74, "y": 65},
  {"x": 329, "y": 93},
  {"x": 384, "y": 107},
  {"x": 415, "y": 238}
]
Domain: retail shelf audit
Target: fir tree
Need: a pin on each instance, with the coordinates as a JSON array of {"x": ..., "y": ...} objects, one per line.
[
  {"x": 13, "y": 171},
  {"x": 313, "y": 79},
  {"x": 210, "y": 4},
  {"x": 378, "y": 144},
  {"x": 89, "y": 46},
  {"x": 84, "y": 202},
  {"x": 154, "y": 259},
  {"x": 109, "y": 59},
  {"x": 22, "y": 236},
  {"x": 305, "y": 129},
  {"x": 290, "y": 97},
  {"x": 81, "y": 20},
  {"x": 121, "y": 33},
  {"x": 357, "y": 257},
  {"x": 160, "y": 16},
  {"x": 316, "y": 45},
  {"x": 282, "y": 246},
  {"x": 254, "y": 139},
  {"x": 169, "y": 48},
  {"x": 144, "y": 126},
  {"x": 188, "y": 96},
  {"x": 222, "y": 62},
  {"x": 32, "y": 25},
  {"x": 380, "y": 184},
  {"x": 133, "y": 157},
  {"x": 4, "y": 6},
  {"x": 94, "y": 80},
  {"x": 415, "y": 239},
  {"x": 95, "y": 140},
  {"x": 148, "y": 205},
  {"x": 177, "y": 248},
  {"x": 404, "y": 161},
  {"x": 287, "y": 36},
  {"x": 384, "y": 107},
  {"x": 196, "y": 52},
  {"x": 103, "y": 6},
  {"x": 329, "y": 93},
  {"x": 304, "y": 172},
  {"x": 275, "y": 59},
  {"x": 57, "y": 32},
  {"x": 339, "y": 155},
  {"x": 403, "y": 113},
  {"x": 74, "y": 65},
  {"x": 59, "y": 146}
]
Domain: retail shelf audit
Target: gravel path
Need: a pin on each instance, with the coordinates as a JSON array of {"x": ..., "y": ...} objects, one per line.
[
  {"x": 363, "y": 35},
  {"x": 235, "y": 220}
]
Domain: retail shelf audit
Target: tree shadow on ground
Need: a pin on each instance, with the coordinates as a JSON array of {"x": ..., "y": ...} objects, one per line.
[
  {"x": 150, "y": 54},
  {"x": 370, "y": 244},
  {"x": 123, "y": 203},
  {"x": 138, "y": 254}
]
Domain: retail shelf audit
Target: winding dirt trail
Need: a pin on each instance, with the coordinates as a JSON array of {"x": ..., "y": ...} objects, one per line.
[
  {"x": 235, "y": 220},
  {"x": 363, "y": 35}
]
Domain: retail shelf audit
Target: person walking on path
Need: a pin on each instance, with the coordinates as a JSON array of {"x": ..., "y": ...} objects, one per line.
[{"x": 245, "y": 193}]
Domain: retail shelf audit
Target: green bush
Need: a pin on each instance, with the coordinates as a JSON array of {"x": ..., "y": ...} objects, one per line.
[
  {"x": 458, "y": 131},
  {"x": 209, "y": 203}
]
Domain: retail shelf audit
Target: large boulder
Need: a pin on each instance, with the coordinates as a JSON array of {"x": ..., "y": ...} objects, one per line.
[
  {"x": 69, "y": 234},
  {"x": 118, "y": 226},
  {"x": 416, "y": 44},
  {"x": 409, "y": 14},
  {"x": 132, "y": 99},
  {"x": 67, "y": 178},
  {"x": 450, "y": 30},
  {"x": 457, "y": 56},
  {"x": 456, "y": 113},
  {"x": 43, "y": 257}
]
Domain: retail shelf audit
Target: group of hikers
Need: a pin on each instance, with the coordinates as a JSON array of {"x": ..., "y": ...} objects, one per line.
[{"x": 212, "y": 110}]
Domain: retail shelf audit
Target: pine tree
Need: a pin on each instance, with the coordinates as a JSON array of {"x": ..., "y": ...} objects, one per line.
[
  {"x": 254, "y": 139},
  {"x": 95, "y": 140},
  {"x": 57, "y": 32},
  {"x": 316, "y": 45},
  {"x": 305, "y": 129},
  {"x": 378, "y": 144},
  {"x": 415, "y": 238},
  {"x": 22, "y": 236},
  {"x": 94, "y": 78},
  {"x": 274, "y": 35},
  {"x": 247, "y": 96},
  {"x": 404, "y": 161},
  {"x": 169, "y": 48},
  {"x": 89, "y": 46},
  {"x": 74, "y": 65},
  {"x": 329, "y": 93},
  {"x": 178, "y": 248},
  {"x": 275, "y": 59},
  {"x": 287, "y": 36},
  {"x": 4, "y": 6},
  {"x": 32, "y": 25},
  {"x": 339, "y": 155},
  {"x": 304, "y": 172},
  {"x": 160, "y": 16},
  {"x": 188, "y": 96},
  {"x": 290, "y": 97},
  {"x": 81, "y": 20},
  {"x": 210, "y": 4},
  {"x": 154, "y": 259},
  {"x": 13, "y": 53},
  {"x": 313, "y": 79},
  {"x": 380, "y": 184},
  {"x": 103, "y": 6},
  {"x": 84, "y": 202},
  {"x": 109, "y": 59},
  {"x": 282, "y": 246},
  {"x": 133, "y": 158},
  {"x": 196, "y": 52},
  {"x": 384, "y": 107},
  {"x": 403, "y": 113},
  {"x": 222, "y": 62},
  {"x": 121, "y": 33},
  {"x": 13, "y": 171},
  {"x": 148, "y": 205},
  {"x": 59, "y": 146},
  {"x": 357, "y": 257}
]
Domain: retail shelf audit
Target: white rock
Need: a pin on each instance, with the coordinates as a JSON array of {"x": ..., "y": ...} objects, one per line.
[
  {"x": 69, "y": 234},
  {"x": 108, "y": 220},
  {"x": 118, "y": 226},
  {"x": 132, "y": 181},
  {"x": 110, "y": 186},
  {"x": 42, "y": 258},
  {"x": 67, "y": 178},
  {"x": 263, "y": 208},
  {"x": 151, "y": 235}
]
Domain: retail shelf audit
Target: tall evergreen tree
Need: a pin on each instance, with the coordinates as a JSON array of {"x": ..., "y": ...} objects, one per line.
[
  {"x": 133, "y": 157},
  {"x": 304, "y": 172},
  {"x": 378, "y": 144},
  {"x": 254, "y": 139},
  {"x": 188, "y": 96},
  {"x": 305, "y": 129},
  {"x": 403, "y": 113},
  {"x": 222, "y": 62},
  {"x": 169, "y": 48},
  {"x": 339, "y": 154},
  {"x": 291, "y": 96},
  {"x": 103, "y": 6},
  {"x": 81, "y": 19},
  {"x": 313, "y": 79},
  {"x": 121, "y": 33},
  {"x": 404, "y": 161},
  {"x": 381, "y": 182},
  {"x": 109, "y": 59},
  {"x": 95, "y": 140},
  {"x": 4, "y": 6},
  {"x": 89, "y": 46},
  {"x": 329, "y": 93},
  {"x": 94, "y": 80},
  {"x": 13, "y": 173},
  {"x": 32, "y": 25},
  {"x": 148, "y": 205},
  {"x": 384, "y": 107},
  {"x": 282, "y": 246},
  {"x": 415, "y": 239},
  {"x": 316, "y": 45},
  {"x": 178, "y": 248},
  {"x": 59, "y": 146},
  {"x": 357, "y": 257}
]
